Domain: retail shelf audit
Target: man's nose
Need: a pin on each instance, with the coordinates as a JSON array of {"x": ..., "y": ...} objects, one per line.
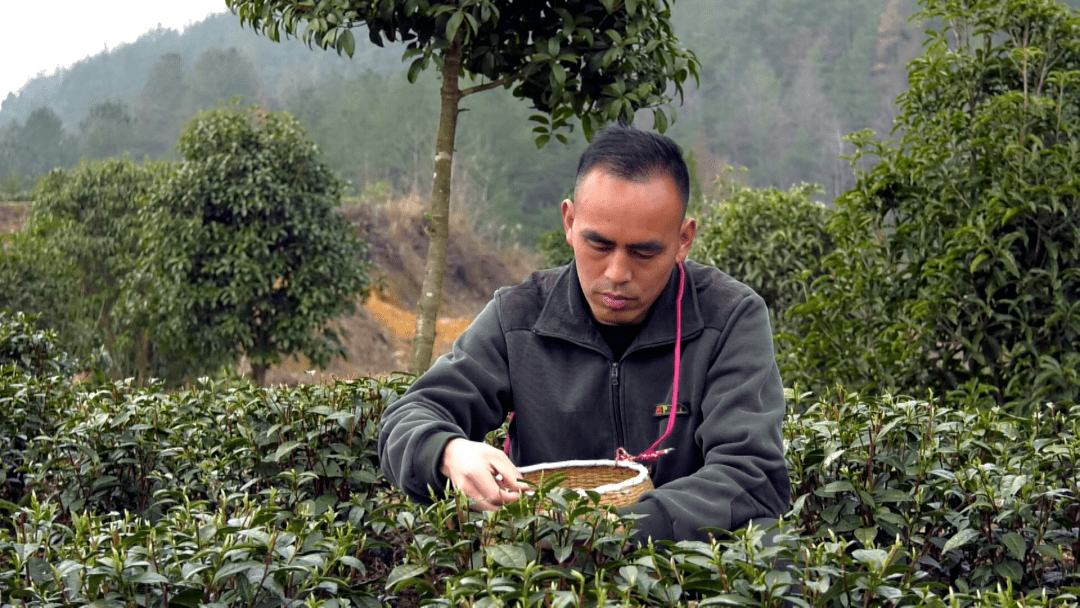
[{"x": 618, "y": 268}]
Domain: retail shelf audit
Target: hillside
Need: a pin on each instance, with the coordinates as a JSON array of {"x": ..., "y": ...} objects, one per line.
[
  {"x": 379, "y": 332},
  {"x": 781, "y": 83}
]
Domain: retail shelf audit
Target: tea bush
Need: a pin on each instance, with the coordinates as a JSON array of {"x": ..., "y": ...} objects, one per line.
[
  {"x": 956, "y": 267},
  {"x": 770, "y": 239},
  {"x": 555, "y": 249},
  {"x": 28, "y": 348},
  {"x": 223, "y": 495}
]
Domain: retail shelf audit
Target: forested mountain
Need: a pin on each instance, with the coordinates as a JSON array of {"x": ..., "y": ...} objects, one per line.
[{"x": 783, "y": 82}]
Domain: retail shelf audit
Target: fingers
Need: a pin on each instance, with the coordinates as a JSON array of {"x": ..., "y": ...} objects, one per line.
[
  {"x": 485, "y": 491},
  {"x": 507, "y": 475},
  {"x": 484, "y": 474}
]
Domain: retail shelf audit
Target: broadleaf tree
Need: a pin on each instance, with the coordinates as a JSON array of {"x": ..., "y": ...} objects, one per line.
[
  {"x": 956, "y": 267},
  {"x": 245, "y": 251},
  {"x": 69, "y": 261},
  {"x": 598, "y": 61}
]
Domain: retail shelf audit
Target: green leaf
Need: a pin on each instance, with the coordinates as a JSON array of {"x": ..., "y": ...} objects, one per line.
[
  {"x": 1016, "y": 544},
  {"x": 347, "y": 43},
  {"x": 508, "y": 556},
  {"x": 234, "y": 568},
  {"x": 961, "y": 538},
  {"x": 835, "y": 487},
  {"x": 871, "y": 557},
  {"x": 660, "y": 122},
  {"x": 1009, "y": 569},
  {"x": 454, "y": 23},
  {"x": 285, "y": 449},
  {"x": 415, "y": 67},
  {"x": 404, "y": 573},
  {"x": 866, "y": 536},
  {"x": 150, "y": 578},
  {"x": 887, "y": 496},
  {"x": 1050, "y": 551}
]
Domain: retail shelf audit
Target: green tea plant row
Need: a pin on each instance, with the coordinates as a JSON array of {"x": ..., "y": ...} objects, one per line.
[{"x": 227, "y": 495}]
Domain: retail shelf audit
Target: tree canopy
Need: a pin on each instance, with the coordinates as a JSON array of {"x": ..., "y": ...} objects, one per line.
[
  {"x": 596, "y": 61},
  {"x": 956, "y": 266},
  {"x": 246, "y": 252}
]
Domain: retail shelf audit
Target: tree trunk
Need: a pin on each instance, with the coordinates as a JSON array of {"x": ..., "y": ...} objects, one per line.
[
  {"x": 142, "y": 357},
  {"x": 258, "y": 373},
  {"x": 438, "y": 228}
]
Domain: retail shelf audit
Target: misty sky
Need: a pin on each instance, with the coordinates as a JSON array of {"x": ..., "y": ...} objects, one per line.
[{"x": 32, "y": 41}]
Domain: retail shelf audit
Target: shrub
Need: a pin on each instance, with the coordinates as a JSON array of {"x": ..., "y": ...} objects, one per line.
[
  {"x": 68, "y": 262},
  {"x": 555, "y": 249},
  {"x": 246, "y": 252},
  {"x": 769, "y": 239},
  {"x": 956, "y": 266},
  {"x": 29, "y": 349},
  {"x": 267, "y": 497}
]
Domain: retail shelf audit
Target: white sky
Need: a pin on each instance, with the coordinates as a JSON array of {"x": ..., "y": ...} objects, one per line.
[{"x": 31, "y": 41}]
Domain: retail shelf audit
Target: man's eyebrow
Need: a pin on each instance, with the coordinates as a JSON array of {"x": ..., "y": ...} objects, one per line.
[
  {"x": 647, "y": 247},
  {"x": 595, "y": 237},
  {"x": 644, "y": 247}
]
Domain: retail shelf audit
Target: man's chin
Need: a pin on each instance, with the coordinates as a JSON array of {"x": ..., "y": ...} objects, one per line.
[{"x": 607, "y": 316}]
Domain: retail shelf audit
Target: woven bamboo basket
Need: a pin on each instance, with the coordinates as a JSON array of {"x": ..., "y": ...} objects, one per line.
[{"x": 619, "y": 483}]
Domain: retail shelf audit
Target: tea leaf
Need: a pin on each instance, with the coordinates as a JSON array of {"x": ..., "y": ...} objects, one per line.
[
  {"x": 404, "y": 573},
  {"x": 508, "y": 556},
  {"x": 1016, "y": 544},
  {"x": 960, "y": 539}
]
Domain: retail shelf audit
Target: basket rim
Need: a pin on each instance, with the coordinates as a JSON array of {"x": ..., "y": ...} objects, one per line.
[{"x": 642, "y": 472}]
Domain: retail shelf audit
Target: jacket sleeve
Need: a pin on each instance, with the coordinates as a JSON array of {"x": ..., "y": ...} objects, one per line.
[
  {"x": 744, "y": 475},
  {"x": 466, "y": 393}
]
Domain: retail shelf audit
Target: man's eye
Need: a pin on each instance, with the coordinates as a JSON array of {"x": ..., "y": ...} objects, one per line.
[
  {"x": 601, "y": 247},
  {"x": 645, "y": 255}
]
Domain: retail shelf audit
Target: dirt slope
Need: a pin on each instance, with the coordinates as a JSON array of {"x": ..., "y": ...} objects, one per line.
[{"x": 379, "y": 334}]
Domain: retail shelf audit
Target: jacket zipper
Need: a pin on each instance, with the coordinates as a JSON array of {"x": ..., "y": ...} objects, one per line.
[{"x": 616, "y": 406}]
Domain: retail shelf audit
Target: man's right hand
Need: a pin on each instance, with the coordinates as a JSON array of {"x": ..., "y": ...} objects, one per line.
[{"x": 484, "y": 473}]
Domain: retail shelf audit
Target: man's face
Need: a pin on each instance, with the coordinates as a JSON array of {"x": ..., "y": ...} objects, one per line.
[{"x": 627, "y": 236}]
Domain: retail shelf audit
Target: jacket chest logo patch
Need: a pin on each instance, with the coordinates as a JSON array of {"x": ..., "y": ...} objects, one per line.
[{"x": 663, "y": 409}]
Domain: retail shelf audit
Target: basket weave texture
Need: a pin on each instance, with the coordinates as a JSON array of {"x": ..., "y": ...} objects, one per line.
[{"x": 619, "y": 483}]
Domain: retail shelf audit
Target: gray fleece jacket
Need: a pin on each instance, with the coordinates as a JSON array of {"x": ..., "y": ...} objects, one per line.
[{"x": 535, "y": 351}]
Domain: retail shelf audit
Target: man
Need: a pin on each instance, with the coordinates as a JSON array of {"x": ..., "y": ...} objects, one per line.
[{"x": 583, "y": 356}]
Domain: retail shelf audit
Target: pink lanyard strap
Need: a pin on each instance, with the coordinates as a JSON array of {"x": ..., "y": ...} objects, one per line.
[{"x": 651, "y": 454}]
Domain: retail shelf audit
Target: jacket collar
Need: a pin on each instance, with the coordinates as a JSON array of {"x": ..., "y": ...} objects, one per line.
[{"x": 566, "y": 313}]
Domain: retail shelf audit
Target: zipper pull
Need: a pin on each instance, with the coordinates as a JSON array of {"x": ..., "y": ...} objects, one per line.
[{"x": 614, "y": 374}]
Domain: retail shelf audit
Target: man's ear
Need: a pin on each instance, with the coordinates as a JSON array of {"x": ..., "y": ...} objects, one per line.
[
  {"x": 568, "y": 220},
  {"x": 686, "y": 238}
]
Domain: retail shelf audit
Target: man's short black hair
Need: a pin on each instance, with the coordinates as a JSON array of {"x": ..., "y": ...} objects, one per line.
[{"x": 635, "y": 155}]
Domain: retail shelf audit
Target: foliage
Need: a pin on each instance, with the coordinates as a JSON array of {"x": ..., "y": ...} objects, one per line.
[
  {"x": 598, "y": 61},
  {"x": 40, "y": 281},
  {"x": 108, "y": 130},
  {"x": 27, "y": 348},
  {"x": 594, "y": 62},
  {"x": 769, "y": 239},
  {"x": 956, "y": 265},
  {"x": 248, "y": 496},
  {"x": 790, "y": 77},
  {"x": 244, "y": 251},
  {"x": 68, "y": 263},
  {"x": 557, "y": 252}
]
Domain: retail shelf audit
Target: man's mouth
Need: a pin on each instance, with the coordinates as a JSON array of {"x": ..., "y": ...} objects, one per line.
[{"x": 615, "y": 302}]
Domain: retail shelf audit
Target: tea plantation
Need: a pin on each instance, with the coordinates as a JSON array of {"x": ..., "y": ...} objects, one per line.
[
  {"x": 223, "y": 494},
  {"x": 934, "y": 313}
]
